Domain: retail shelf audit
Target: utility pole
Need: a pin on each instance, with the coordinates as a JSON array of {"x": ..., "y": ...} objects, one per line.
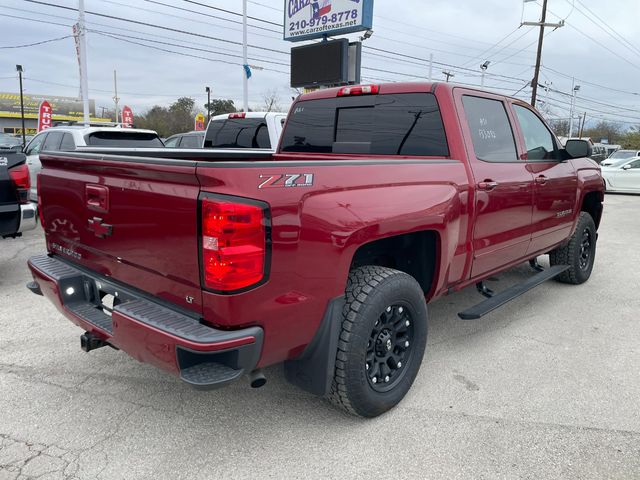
[
  {"x": 208, "y": 90},
  {"x": 542, "y": 25},
  {"x": 82, "y": 46},
  {"x": 431, "y": 67},
  {"x": 448, "y": 74},
  {"x": 574, "y": 92},
  {"x": 245, "y": 77},
  {"x": 116, "y": 99},
  {"x": 584, "y": 119},
  {"x": 24, "y": 138}
]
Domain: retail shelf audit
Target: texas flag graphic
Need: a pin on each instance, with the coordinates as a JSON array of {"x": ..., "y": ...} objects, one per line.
[{"x": 320, "y": 8}]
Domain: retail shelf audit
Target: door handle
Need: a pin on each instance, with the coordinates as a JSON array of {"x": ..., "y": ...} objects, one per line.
[
  {"x": 487, "y": 185},
  {"x": 541, "y": 179},
  {"x": 97, "y": 197}
]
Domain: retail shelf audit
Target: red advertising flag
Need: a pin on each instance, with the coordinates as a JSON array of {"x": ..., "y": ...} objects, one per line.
[
  {"x": 199, "y": 123},
  {"x": 44, "y": 116},
  {"x": 127, "y": 117}
]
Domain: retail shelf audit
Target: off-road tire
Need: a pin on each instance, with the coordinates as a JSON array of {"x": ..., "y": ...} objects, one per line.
[
  {"x": 572, "y": 253},
  {"x": 370, "y": 291}
]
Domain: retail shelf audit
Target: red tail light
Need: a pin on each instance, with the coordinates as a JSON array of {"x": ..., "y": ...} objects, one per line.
[
  {"x": 359, "y": 90},
  {"x": 20, "y": 176},
  {"x": 234, "y": 244},
  {"x": 238, "y": 115}
]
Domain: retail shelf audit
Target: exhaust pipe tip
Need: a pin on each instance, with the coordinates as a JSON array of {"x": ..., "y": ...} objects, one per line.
[{"x": 257, "y": 379}]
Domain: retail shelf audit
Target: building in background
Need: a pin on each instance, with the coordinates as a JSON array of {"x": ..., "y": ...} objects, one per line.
[{"x": 64, "y": 109}]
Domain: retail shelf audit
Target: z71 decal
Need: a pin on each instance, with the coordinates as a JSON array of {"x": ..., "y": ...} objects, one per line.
[{"x": 286, "y": 180}]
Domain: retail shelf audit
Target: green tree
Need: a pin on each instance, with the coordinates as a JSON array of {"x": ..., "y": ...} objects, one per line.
[
  {"x": 610, "y": 131},
  {"x": 631, "y": 139},
  {"x": 156, "y": 118},
  {"x": 220, "y": 106},
  {"x": 182, "y": 114}
]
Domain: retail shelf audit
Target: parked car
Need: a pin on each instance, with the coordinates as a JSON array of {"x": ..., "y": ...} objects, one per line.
[
  {"x": 9, "y": 142},
  {"x": 624, "y": 177},
  {"x": 619, "y": 157},
  {"x": 70, "y": 137},
  {"x": 380, "y": 198},
  {"x": 599, "y": 153},
  {"x": 245, "y": 130},
  {"x": 17, "y": 213},
  {"x": 185, "y": 140}
]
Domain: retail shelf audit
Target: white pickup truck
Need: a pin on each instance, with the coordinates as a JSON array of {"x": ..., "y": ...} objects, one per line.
[{"x": 254, "y": 130}]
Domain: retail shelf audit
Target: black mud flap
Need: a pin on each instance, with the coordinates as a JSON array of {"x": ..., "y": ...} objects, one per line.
[{"x": 313, "y": 370}]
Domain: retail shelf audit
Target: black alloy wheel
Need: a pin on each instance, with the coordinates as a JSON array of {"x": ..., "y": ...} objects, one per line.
[{"x": 389, "y": 348}]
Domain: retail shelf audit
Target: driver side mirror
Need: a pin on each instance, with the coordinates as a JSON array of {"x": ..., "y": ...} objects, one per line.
[
  {"x": 627, "y": 166},
  {"x": 578, "y": 148}
]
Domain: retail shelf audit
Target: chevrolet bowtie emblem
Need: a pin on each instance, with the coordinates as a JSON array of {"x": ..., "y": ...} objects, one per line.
[{"x": 99, "y": 228}]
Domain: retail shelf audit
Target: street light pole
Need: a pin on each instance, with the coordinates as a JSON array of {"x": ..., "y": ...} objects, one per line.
[
  {"x": 483, "y": 68},
  {"x": 24, "y": 137},
  {"x": 208, "y": 90},
  {"x": 573, "y": 104}
]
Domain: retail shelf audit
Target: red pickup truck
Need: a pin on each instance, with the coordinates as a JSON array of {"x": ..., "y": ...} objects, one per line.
[{"x": 324, "y": 255}]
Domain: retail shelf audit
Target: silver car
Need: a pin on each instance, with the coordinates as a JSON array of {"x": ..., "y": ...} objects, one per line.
[{"x": 624, "y": 177}]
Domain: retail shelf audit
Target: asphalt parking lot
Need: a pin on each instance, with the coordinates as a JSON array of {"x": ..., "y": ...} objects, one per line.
[{"x": 546, "y": 387}]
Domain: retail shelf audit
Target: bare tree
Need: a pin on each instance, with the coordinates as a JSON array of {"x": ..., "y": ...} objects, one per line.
[{"x": 271, "y": 101}]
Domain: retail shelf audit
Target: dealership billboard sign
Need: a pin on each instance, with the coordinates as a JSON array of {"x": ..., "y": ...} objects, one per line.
[
  {"x": 308, "y": 19},
  {"x": 68, "y": 106}
]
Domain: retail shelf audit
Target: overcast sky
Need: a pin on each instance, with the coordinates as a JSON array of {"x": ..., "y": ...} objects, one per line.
[{"x": 463, "y": 34}]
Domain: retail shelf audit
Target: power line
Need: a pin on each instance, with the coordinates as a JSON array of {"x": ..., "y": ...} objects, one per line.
[
  {"x": 112, "y": 35},
  {"x": 609, "y": 31},
  {"x": 596, "y": 42},
  {"x": 586, "y": 82},
  {"x": 136, "y": 7},
  {"x": 38, "y": 43},
  {"x": 230, "y": 12},
  {"x": 112, "y": 27},
  {"x": 483, "y": 54},
  {"x": 181, "y": 53},
  {"x": 162, "y": 27},
  {"x": 209, "y": 15}
]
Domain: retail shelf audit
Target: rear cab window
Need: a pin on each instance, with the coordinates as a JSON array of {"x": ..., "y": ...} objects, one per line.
[
  {"x": 123, "y": 139},
  {"x": 238, "y": 133},
  {"x": 389, "y": 124}
]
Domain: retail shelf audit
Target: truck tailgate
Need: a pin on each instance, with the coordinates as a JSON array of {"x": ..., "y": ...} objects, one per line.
[{"x": 131, "y": 219}]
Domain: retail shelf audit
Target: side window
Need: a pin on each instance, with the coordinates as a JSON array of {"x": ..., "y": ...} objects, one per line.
[
  {"x": 172, "y": 142},
  {"x": 67, "y": 142},
  {"x": 53, "y": 141},
  {"x": 490, "y": 129},
  {"x": 635, "y": 164},
  {"x": 191, "y": 141},
  {"x": 537, "y": 138},
  {"x": 262, "y": 137},
  {"x": 36, "y": 145}
]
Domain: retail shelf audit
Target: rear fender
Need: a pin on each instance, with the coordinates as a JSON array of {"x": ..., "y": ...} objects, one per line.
[{"x": 350, "y": 219}]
